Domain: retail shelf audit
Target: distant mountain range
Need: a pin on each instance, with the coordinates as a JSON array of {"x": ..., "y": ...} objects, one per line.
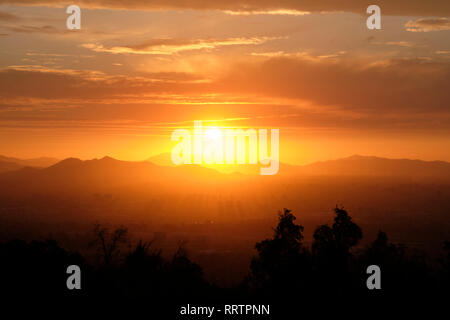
[
  {"x": 355, "y": 165},
  {"x": 10, "y": 164},
  {"x": 107, "y": 172},
  {"x": 108, "y": 189},
  {"x": 98, "y": 174},
  {"x": 374, "y": 166}
]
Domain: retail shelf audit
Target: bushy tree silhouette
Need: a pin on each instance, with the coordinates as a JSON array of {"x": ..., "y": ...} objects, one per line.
[
  {"x": 346, "y": 233},
  {"x": 282, "y": 261},
  {"x": 331, "y": 248},
  {"x": 341, "y": 237},
  {"x": 401, "y": 272},
  {"x": 283, "y": 269}
]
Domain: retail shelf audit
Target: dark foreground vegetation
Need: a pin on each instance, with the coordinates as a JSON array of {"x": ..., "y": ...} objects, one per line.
[{"x": 283, "y": 268}]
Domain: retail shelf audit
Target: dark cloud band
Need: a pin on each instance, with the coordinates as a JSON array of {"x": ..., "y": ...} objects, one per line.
[{"x": 391, "y": 7}]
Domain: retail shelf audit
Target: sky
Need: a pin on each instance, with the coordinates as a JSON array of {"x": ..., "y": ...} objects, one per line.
[{"x": 138, "y": 70}]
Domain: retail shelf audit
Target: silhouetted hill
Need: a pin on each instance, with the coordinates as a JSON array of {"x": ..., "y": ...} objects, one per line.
[
  {"x": 192, "y": 197},
  {"x": 41, "y": 162},
  {"x": 99, "y": 174},
  {"x": 162, "y": 159},
  {"x": 355, "y": 165},
  {"x": 374, "y": 166},
  {"x": 8, "y": 166},
  {"x": 108, "y": 174}
]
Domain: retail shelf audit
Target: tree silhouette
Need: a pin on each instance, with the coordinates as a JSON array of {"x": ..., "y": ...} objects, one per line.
[
  {"x": 283, "y": 269},
  {"x": 400, "y": 271},
  {"x": 282, "y": 261},
  {"x": 331, "y": 249},
  {"x": 109, "y": 242},
  {"x": 346, "y": 233}
]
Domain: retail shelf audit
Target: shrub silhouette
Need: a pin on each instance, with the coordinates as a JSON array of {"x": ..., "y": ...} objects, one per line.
[
  {"x": 444, "y": 266},
  {"x": 185, "y": 277},
  {"x": 144, "y": 271},
  {"x": 36, "y": 268},
  {"x": 108, "y": 242}
]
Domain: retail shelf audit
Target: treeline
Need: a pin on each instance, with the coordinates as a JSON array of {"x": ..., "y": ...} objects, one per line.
[
  {"x": 333, "y": 266},
  {"x": 282, "y": 268}
]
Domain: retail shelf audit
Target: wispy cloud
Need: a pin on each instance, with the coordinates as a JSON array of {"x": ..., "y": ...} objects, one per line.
[
  {"x": 34, "y": 29},
  {"x": 173, "y": 46},
  {"x": 401, "y": 84},
  {"x": 9, "y": 17},
  {"x": 287, "y": 12},
  {"x": 391, "y": 7},
  {"x": 427, "y": 25},
  {"x": 401, "y": 44},
  {"x": 413, "y": 89},
  {"x": 304, "y": 55}
]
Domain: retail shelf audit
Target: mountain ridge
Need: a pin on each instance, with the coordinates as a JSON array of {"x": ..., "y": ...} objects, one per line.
[
  {"x": 366, "y": 165},
  {"x": 73, "y": 174},
  {"x": 33, "y": 162}
]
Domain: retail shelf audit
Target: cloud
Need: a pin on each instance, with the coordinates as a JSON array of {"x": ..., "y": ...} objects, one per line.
[
  {"x": 401, "y": 44},
  {"x": 173, "y": 46},
  {"x": 285, "y": 12},
  {"x": 10, "y": 24},
  {"x": 390, "y": 7},
  {"x": 427, "y": 25},
  {"x": 304, "y": 55},
  {"x": 406, "y": 93},
  {"x": 33, "y": 29},
  {"x": 5, "y": 16},
  {"x": 35, "y": 81},
  {"x": 44, "y": 54},
  {"x": 402, "y": 85}
]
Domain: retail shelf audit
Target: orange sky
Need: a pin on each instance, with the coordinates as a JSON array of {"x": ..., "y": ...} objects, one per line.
[{"x": 136, "y": 71}]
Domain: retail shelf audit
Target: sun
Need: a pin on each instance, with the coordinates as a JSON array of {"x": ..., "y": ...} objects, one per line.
[{"x": 213, "y": 134}]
